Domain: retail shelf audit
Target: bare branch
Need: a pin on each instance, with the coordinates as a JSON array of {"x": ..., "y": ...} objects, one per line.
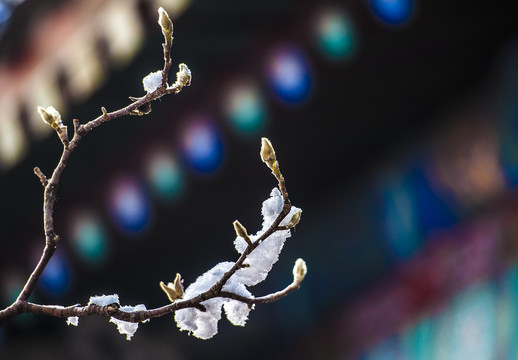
[
  {"x": 174, "y": 291},
  {"x": 53, "y": 118}
]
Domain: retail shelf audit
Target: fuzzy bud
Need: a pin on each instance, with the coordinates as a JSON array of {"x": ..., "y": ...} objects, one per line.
[
  {"x": 299, "y": 270},
  {"x": 295, "y": 219},
  {"x": 173, "y": 290},
  {"x": 241, "y": 231},
  {"x": 51, "y": 116},
  {"x": 165, "y": 23},
  {"x": 268, "y": 153}
]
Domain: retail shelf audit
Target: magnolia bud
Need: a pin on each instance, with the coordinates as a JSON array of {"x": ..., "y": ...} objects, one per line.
[
  {"x": 268, "y": 153},
  {"x": 51, "y": 116},
  {"x": 173, "y": 290},
  {"x": 241, "y": 231},
  {"x": 295, "y": 218},
  {"x": 165, "y": 23},
  {"x": 299, "y": 270}
]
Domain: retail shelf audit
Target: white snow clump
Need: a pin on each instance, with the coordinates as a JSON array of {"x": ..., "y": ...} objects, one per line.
[
  {"x": 125, "y": 327},
  {"x": 152, "y": 81},
  {"x": 104, "y": 300},
  {"x": 73, "y": 320},
  {"x": 204, "y": 325}
]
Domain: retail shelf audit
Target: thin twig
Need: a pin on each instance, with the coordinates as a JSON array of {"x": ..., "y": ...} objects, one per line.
[{"x": 41, "y": 176}]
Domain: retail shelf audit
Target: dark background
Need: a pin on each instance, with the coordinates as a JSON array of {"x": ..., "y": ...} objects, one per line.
[{"x": 374, "y": 120}]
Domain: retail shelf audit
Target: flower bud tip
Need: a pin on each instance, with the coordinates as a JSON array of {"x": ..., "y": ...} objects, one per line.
[
  {"x": 165, "y": 23},
  {"x": 299, "y": 270},
  {"x": 268, "y": 153}
]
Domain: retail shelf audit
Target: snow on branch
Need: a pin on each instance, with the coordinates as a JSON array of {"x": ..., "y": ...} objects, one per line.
[
  {"x": 197, "y": 308},
  {"x": 254, "y": 269}
]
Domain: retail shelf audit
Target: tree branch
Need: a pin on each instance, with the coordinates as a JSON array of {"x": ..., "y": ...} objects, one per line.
[
  {"x": 141, "y": 106},
  {"x": 51, "y": 185}
]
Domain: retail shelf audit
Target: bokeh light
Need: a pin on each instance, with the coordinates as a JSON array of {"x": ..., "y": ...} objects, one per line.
[
  {"x": 244, "y": 107},
  {"x": 289, "y": 75},
  {"x": 56, "y": 278},
  {"x": 6, "y": 11},
  {"x": 467, "y": 162},
  {"x": 130, "y": 206},
  {"x": 13, "y": 143},
  {"x": 165, "y": 176},
  {"x": 5, "y": 14},
  {"x": 90, "y": 238},
  {"x": 202, "y": 145},
  {"x": 122, "y": 45},
  {"x": 392, "y": 12},
  {"x": 333, "y": 32}
]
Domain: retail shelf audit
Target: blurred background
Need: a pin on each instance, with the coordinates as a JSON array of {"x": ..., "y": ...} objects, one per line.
[{"x": 396, "y": 126}]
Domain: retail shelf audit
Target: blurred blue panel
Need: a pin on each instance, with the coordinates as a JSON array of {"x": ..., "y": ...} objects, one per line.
[
  {"x": 202, "y": 145},
  {"x": 289, "y": 75},
  {"x": 392, "y": 12},
  {"x": 129, "y": 205}
]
